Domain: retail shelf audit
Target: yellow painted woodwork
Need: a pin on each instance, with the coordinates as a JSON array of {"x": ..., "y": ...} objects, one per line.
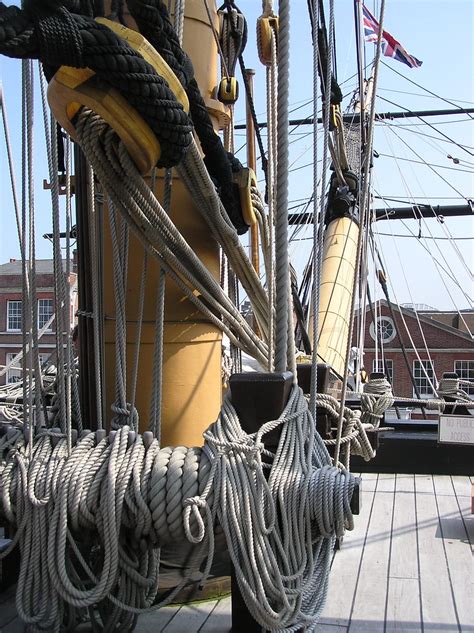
[
  {"x": 337, "y": 278},
  {"x": 245, "y": 179},
  {"x": 73, "y": 88},
  {"x": 266, "y": 26}
]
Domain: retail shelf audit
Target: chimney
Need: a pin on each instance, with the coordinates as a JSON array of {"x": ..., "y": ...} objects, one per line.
[{"x": 12, "y": 261}]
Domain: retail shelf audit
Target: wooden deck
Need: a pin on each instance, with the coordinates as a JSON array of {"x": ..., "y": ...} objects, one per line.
[{"x": 407, "y": 566}]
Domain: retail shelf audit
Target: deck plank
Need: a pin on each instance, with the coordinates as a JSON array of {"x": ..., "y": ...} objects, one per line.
[
  {"x": 220, "y": 619},
  {"x": 444, "y": 485},
  {"x": 462, "y": 487},
  {"x": 403, "y": 606},
  {"x": 436, "y": 598},
  {"x": 190, "y": 617},
  {"x": 458, "y": 554},
  {"x": 155, "y": 621},
  {"x": 404, "y": 557},
  {"x": 369, "y": 481},
  {"x": 344, "y": 573},
  {"x": 368, "y": 613}
]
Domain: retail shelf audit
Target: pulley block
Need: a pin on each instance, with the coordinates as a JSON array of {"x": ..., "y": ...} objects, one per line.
[
  {"x": 266, "y": 28},
  {"x": 71, "y": 89},
  {"x": 245, "y": 179},
  {"x": 228, "y": 91}
]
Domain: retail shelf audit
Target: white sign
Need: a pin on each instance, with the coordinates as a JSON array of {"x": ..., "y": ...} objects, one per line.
[{"x": 456, "y": 429}]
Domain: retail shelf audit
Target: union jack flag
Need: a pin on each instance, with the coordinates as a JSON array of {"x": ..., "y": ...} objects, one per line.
[{"x": 390, "y": 46}]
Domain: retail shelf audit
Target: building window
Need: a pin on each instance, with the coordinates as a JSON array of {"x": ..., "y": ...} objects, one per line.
[
  {"x": 386, "y": 329},
  {"x": 379, "y": 366},
  {"x": 14, "y": 372},
  {"x": 465, "y": 371},
  {"x": 45, "y": 312},
  {"x": 422, "y": 370},
  {"x": 14, "y": 316}
]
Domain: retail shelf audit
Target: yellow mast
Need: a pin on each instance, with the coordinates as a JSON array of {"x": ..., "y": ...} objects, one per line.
[
  {"x": 191, "y": 391},
  {"x": 338, "y": 272}
]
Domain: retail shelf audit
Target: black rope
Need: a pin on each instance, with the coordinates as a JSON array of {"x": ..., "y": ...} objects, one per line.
[
  {"x": 153, "y": 21},
  {"x": 56, "y": 37}
]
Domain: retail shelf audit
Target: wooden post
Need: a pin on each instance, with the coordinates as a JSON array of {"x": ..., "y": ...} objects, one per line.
[{"x": 257, "y": 398}]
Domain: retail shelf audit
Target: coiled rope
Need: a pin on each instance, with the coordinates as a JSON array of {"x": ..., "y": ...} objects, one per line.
[{"x": 90, "y": 525}]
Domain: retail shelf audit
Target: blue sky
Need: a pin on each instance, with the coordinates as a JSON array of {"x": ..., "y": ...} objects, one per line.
[{"x": 437, "y": 32}]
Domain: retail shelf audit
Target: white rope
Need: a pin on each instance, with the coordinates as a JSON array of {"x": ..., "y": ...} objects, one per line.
[
  {"x": 283, "y": 334},
  {"x": 155, "y": 229},
  {"x": 90, "y": 525},
  {"x": 271, "y": 83}
]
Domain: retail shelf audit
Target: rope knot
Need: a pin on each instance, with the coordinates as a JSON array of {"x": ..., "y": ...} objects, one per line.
[
  {"x": 124, "y": 416},
  {"x": 198, "y": 502}
]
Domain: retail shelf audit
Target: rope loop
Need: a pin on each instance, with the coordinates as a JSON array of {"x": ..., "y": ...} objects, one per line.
[{"x": 194, "y": 505}]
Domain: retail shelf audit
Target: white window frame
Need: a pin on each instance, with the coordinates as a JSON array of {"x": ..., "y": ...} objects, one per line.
[
  {"x": 420, "y": 378},
  {"x": 15, "y": 371},
  {"x": 373, "y": 334},
  {"x": 49, "y": 315},
  {"x": 10, "y": 302},
  {"x": 378, "y": 366},
  {"x": 466, "y": 373}
]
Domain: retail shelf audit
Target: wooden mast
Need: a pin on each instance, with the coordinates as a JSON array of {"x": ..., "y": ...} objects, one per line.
[{"x": 191, "y": 390}]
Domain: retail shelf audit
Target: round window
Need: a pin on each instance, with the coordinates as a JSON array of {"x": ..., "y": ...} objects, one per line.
[{"x": 386, "y": 329}]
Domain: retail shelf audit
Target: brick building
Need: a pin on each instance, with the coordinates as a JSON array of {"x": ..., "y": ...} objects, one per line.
[
  {"x": 11, "y": 311},
  {"x": 446, "y": 336}
]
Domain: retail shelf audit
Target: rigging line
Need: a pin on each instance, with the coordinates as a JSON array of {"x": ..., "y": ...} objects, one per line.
[
  {"x": 365, "y": 169},
  {"x": 428, "y": 165},
  {"x": 447, "y": 122},
  {"x": 434, "y": 144},
  {"x": 435, "y": 214},
  {"x": 407, "y": 128},
  {"x": 419, "y": 94},
  {"x": 403, "y": 199},
  {"x": 433, "y": 127},
  {"x": 11, "y": 166},
  {"x": 424, "y": 237},
  {"x": 385, "y": 289},
  {"x": 424, "y": 162},
  {"x": 438, "y": 265},
  {"x": 422, "y": 87},
  {"x": 216, "y": 38},
  {"x": 302, "y": 104},
  {"x": 411, "y": 299}
]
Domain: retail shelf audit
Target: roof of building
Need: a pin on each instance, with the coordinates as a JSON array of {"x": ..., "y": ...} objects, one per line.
[
  {"x": 435, "y": 318},
  {"x": 43, "y": 267}
]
